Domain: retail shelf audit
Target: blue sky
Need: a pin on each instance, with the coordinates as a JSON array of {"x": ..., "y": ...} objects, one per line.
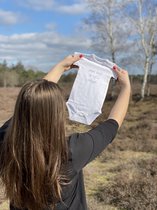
[{"x": 41, "y": 32}]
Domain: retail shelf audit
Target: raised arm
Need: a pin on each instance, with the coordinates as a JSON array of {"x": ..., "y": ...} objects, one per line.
[
  {"x": 66, "y": 64},
  {"x": 120, "y": 107}
]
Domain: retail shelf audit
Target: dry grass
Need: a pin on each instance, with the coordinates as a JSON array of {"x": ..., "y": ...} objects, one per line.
[{"x": 133, "y": 187}]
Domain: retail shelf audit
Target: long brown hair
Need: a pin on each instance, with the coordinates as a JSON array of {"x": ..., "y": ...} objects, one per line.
[{"x": 35, "y": 148}]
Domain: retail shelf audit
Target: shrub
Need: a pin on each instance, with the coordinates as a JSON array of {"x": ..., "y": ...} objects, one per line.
[{"x": 133, "y": 190}]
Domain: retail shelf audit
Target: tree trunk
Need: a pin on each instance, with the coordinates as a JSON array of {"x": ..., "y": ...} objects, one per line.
[
  {"x": 149, "y": 79},
  {"x": 146, "y": 69}
]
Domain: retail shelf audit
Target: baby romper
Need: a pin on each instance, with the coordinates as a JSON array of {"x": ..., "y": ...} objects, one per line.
[{"x": 90, "y": 88}]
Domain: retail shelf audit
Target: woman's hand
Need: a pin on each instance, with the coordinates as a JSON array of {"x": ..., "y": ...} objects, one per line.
[
  {"x": 123, "y": 77},
  {"x": 66, "y": 64}
]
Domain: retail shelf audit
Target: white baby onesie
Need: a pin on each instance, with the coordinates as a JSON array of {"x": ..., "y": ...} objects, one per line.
[{"x": 90, "y": 88}]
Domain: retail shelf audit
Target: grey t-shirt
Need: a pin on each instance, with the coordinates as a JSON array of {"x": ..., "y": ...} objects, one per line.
[{"x": 83, "y": 148}]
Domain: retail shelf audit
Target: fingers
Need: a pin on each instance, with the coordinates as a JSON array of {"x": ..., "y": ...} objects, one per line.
[
  {"x": 69, "y": 61},
  {"x": 75, "y": 58},
  {"x": 80, "y": 56},
  {"x": 122, "y": 76},
  {"x": 118, "y": 70}
]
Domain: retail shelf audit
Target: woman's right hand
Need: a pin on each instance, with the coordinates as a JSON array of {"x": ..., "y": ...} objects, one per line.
[
  {"x": 66, "y": 64},
  {"x": 123, "y": 77}
]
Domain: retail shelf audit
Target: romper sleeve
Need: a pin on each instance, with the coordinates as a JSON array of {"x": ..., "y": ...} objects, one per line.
[{"x": 87, "y": 146}]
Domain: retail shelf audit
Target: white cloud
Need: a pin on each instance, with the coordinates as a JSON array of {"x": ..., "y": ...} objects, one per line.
[
  {"x": 72, "y": 9},
  {"x": 37, "y": 4},
  {"x": 41, "y": 50},
  {"x": 8, "y": 17},
  {"x": 52, "y": 5}
]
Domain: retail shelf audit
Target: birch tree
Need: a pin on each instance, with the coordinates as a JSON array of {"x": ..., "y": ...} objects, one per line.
[
  {"x": 108, "y": 34},
  {"x": 119, "y": 25},
  {"x": 147, "y": 30},
  {"x": 144, "y": 19},
  {"x": 152, "y": 62}
]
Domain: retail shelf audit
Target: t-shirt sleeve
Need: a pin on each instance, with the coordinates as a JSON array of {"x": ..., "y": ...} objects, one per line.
[
  {"x": 3, "y": 130},
  {"x": 87, "y": 146}
]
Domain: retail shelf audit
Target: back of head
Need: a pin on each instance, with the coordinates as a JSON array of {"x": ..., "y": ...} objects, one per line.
[{"x": 34, "y": 148}]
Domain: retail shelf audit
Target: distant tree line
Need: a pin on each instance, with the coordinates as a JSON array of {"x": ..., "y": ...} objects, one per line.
[
  {"x": 68, "y": 78},
  {"x": 17, "y": 75},
  {"x": 139, "y": 79},
  {"x": 133, "y": 78}
]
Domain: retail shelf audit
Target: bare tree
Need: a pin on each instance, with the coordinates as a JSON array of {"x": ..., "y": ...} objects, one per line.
[
  {"x": 147, "y": 30},
  {"x": 152, "y": 62},
  {"x": 108, "y": 34},
  {"x": 144, "y": 20},
  {"x": 121, "y": 24}
]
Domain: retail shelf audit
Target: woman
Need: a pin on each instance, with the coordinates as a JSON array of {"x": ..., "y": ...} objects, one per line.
[{"x": 39, "y": 168}]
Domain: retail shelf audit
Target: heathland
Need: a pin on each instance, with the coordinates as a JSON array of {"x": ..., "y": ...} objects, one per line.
[{"x": 124, "y": 176}]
